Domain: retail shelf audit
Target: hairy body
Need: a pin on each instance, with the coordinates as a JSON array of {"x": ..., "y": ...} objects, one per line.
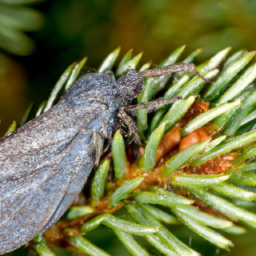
[{"x": 45, "y": 163}]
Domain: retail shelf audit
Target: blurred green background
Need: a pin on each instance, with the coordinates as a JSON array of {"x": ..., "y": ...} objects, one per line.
[
  {"x": 67, "y": 30},
  {"x": 39, "y": 39}
]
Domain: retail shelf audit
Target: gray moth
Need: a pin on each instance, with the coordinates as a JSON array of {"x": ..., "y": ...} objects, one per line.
[{"x": 45, "y": 163}]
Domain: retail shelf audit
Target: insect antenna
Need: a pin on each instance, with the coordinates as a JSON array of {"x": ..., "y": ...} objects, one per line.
[{"x": 189, "y": 67}]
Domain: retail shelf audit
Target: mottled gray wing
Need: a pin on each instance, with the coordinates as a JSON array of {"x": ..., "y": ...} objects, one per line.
[
  {"x": 91, "y": 148},
  {"x": 30, "y": 202},
  {"x": 39, "y": 181},
  {"x": 45, "y": 163}
]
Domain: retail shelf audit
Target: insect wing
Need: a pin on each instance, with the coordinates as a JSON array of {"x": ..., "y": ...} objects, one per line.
[
  {"x": 45, "y": 163},
  {"x": 33, "y": 202}
]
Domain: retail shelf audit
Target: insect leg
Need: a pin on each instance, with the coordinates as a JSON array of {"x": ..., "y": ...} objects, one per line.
[
  {"x": 133, "y": 129},
  {"x": 189, "y": 67},
  {"x": 150, "y": 105}
]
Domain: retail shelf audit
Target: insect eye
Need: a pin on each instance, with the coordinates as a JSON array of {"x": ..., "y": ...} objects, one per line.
[
  {"x": 132, "y": 75},
  {"x": 133, "y": 78}
]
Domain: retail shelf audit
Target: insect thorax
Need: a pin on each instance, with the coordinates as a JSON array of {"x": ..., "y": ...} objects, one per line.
[{"x": 130, "y": 86}]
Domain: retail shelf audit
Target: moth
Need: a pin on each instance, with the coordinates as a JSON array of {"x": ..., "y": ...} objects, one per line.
[{"x": 45, "y": 163}]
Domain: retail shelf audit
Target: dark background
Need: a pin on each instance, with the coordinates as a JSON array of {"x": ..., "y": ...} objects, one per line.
[{"x": 72, "y": 29}]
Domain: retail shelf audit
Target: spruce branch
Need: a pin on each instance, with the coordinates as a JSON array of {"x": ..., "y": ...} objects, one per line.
[{"x": 190, "y": 171}]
